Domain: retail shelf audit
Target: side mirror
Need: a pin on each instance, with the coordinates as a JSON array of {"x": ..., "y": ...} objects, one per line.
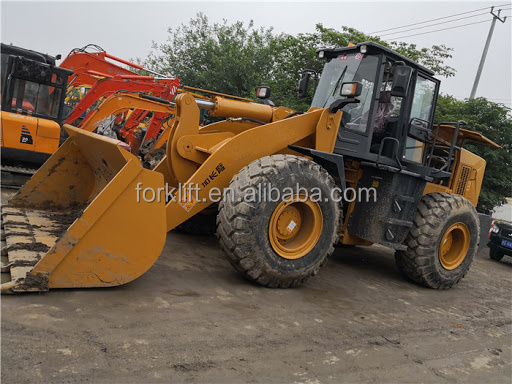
[
  {"x": 352, "y": 89},
  {"x": 303, "y": 84},
  {"x": 401, "y": 79},
  {"x": 58, "y": 57}
]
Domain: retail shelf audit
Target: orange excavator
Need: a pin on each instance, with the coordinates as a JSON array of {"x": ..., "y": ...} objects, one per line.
[
  {"x": 34, "y": 96},
  {"x": 98, "y": 78}
]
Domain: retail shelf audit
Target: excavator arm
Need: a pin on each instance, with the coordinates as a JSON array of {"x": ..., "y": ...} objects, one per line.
[{"x": 85, "y": 62}]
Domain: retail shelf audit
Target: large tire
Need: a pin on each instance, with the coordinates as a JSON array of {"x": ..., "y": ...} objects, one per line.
[
  {"x": 495, "y": 254},
  {"x": 440, "y": 217},
  {"x": 244, "y": 225}
]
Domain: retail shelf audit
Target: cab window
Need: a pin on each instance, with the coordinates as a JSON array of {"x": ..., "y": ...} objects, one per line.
[
  {"x": 349, "y": 68},
  {"x": 421, "y": 115},
  {"x": 36, "y": 98}
]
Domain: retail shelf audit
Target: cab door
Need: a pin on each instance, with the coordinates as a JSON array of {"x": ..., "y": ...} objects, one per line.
[{"x": 421, "y": 118}]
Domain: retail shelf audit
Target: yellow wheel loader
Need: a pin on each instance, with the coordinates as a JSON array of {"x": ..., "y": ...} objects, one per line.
[{"x": 92, "y": 216}]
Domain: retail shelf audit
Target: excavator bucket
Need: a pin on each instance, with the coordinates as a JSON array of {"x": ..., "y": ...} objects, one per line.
[{"x": 79, "y": 221}]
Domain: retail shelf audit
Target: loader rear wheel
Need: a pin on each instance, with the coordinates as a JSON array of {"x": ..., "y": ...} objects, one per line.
[
  {"x": 283, "y": 240},
  {"x": 442, "y": 241}
]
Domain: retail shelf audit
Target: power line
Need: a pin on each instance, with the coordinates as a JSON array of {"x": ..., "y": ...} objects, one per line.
[
  {"x": 431, "y": 25},
  {"x": 442, "y": 29},
  {"x": 439, "y": 18},
  {"x": 428, "y": 21}
]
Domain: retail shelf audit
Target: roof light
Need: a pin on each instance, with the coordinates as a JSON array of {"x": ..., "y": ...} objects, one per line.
[{"x": 363, "y": 49}]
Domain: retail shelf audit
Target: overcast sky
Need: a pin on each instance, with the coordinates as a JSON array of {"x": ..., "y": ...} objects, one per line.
[{"x": 127, "y": 29}]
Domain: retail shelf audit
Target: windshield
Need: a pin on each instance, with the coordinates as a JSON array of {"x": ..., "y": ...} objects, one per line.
[
  {"x": 39, "y": 97},
  {"x": 348, "y": 68},
  {"x": 36, "y": 98}
]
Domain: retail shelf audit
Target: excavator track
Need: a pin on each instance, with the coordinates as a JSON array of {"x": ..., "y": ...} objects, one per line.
[
  {"x": 27, "y": 235},
  {"x": 16, "y": 177}
]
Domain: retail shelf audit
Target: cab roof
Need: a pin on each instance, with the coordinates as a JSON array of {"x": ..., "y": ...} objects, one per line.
[
  {"x": 375, "y": 48},
  {"x": 27, "y": 53},
  {"x": 465, "y": 136}
]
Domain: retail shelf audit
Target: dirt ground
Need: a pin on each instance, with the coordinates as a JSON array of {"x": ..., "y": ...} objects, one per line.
[{"x": 193, "y": 319}]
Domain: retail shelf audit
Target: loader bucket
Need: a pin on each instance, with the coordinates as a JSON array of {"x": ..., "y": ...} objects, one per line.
[{"x": 77, "y": 222}]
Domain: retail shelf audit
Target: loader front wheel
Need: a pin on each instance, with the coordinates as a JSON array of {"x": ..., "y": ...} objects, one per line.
[
  {"x": 280, "y": 220},
  {"x": 442, "y": 241}
]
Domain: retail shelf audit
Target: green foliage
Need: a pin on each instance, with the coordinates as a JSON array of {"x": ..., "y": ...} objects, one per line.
[
  {"x": 222, "y": 57},
  {"x": 494, "y": 122},
  {"x": 293, "y": 54},
  {"x": 236, "y": 58},
  {"x": 432, "y": 58}
]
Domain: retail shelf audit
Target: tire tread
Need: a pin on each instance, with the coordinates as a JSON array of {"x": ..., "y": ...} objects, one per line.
[
  {"x": 415, "y": 263},
  {"x": 238, "y": 244}
]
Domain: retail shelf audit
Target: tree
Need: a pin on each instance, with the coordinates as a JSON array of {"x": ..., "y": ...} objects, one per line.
[
  {"x": 432, "y": 58},
  {"x": 236, "y": 58},
  {"x": 294, "y": 54},
  {"x": 495, "y": 122},
  {"x": 228, "y": 58}
]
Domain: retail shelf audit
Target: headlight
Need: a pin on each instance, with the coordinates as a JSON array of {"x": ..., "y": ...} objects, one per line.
[{"x": 495, "y": 228}]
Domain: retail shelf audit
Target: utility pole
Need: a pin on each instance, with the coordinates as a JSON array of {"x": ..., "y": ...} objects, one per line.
[{"x": 486, "y": 48}]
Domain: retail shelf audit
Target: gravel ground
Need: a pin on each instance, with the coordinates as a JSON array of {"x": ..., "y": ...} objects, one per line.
[{"x": 192, "y": 318}]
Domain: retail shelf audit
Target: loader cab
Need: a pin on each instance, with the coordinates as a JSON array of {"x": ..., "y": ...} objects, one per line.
[
  {"x": 390, "y": 121},
  {"x": 386, "y": 134}
]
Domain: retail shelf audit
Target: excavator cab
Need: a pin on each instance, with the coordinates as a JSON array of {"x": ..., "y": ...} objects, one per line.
[{"x": 33, "y": 92}]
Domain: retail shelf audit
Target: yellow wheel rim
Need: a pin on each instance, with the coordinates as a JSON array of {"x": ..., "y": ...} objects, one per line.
[
  {"x": 295, "y": 227},
  {"x": 454, "y": 246}
]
